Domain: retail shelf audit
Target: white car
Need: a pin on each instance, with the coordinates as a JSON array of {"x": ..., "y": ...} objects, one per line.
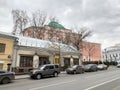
[
  {"x": 118, "y": 65},
  {"x": 102, "y": 67}
]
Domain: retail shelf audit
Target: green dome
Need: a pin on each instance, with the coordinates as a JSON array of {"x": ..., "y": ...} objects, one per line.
[{"x": 56, "y": 24}]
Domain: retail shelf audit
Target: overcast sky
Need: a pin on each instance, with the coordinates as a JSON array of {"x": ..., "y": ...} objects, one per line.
[{"x": 101, "y": 16}]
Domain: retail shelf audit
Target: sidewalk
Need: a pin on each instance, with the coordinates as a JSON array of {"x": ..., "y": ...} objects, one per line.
[{"x": 17, "y": 77}]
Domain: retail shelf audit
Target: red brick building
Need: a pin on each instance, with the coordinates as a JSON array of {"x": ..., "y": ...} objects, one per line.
[
  {"x": 55, "y": 32},
  {"x": 91, "y": 51}
]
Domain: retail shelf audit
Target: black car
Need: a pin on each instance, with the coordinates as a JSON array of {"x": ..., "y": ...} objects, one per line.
[
  {"x": 75, "y": 69},
  {"x": 6, "y": 77},
  {"x": 45, "y": 70},
  {"x": 90, "y": 67}
]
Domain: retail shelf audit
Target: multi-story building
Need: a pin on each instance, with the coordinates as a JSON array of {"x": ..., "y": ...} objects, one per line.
[
  {"x": 52, "y": 32},
  {"x": 91, "y": 51},
  {"x": 112, "y": 53},
  {"x": 7, "y": 42},
  {"x": 55, "y": 32}
]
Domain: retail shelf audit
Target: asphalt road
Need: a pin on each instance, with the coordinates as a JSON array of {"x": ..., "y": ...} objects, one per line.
[{"x": 100, "y": 80}]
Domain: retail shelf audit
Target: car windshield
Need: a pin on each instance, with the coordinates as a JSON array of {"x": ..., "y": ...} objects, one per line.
[{"x": 41, "y": 67}]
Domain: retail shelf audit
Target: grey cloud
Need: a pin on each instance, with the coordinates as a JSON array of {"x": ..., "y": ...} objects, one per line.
[{"x": 102, "y": 16}]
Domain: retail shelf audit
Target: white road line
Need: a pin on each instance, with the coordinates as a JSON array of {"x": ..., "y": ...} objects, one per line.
[
  {"x": 52, "y": 85},
  {"x": 102, "y": 83}
]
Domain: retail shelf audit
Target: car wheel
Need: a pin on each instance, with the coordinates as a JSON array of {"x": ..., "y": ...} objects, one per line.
[
  {"x": 5, "y": 80},
  {"x": 38, "y": 76},
  {"x": 106, "y": 68},
  {"x": 83, "y": 71},
  {"x": 74, "y": 72},
  {"x": 55, "y": 74}
]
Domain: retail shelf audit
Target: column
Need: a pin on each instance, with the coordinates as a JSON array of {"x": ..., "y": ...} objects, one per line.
[
  {"x": 51, "y": 58},
  {"x": 35, "y": 61},
  {"x": 71, "y": 61}
]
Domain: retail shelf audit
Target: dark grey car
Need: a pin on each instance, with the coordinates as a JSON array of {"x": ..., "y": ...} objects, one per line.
[
  {"x": 6, "y": 77},
  {"x": 90, "y": 67},
  {"x": 75, "y": 69},
  {"x": 45, "y": 70}
]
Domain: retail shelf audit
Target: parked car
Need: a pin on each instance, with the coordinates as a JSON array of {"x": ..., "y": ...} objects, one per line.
[
  {"x": 75, "y": 69},
  {"x": 102, "y": 67},
  {"x": 118, "y": 65},
  {"x": 45, "y": 70},
  {"x": 90, "y": 67},
  {"x": 6, "y": 77}
]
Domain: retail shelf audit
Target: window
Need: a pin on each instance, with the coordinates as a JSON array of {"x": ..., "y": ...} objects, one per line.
[
  {"x": 51, "y": 67},
  {"x": 47, "y": 67},
  {"x": 26, "y": 61},
  {"x": 2, "y": 48},
  {"x": 44, "y": 60},
  {"x": 56, "y": 61},
  {"x": 56, "y": 66}
]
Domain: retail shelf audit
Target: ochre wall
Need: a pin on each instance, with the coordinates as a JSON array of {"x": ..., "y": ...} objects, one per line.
[{"x": 8, "y": 52}]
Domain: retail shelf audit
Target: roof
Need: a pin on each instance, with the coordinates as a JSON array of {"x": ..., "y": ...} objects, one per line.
[
  {"x": 32, "y": 42},
  {"x": 43, "y": 44},
  {"x": 56, "y": 24},
  {"x": 7, "y": 35}
]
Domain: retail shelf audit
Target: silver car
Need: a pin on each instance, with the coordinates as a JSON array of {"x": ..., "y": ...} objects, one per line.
[
  {"x": 102, "y": 67},
  {"x": 45, "y": 70},
  {"x": 118, "y": 63}
]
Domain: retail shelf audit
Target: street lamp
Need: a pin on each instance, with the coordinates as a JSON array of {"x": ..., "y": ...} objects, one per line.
[
  {"x": 105, "y": 54},
  {"x": 59, "y": 40},
  {"x": 106, "y": 57}
]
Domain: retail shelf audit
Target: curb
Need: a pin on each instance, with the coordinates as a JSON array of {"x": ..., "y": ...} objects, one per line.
[
  {"x": 18, "y": 77},
  {"x": 21, "y": 78}
]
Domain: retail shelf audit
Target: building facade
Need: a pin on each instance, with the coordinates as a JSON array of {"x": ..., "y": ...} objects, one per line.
[
  {"x": 31, "y": 53},
  {"x": 91, "y": 51},
  {"x": 6, "y": 50},
  {"x": 111, "y": 53}
]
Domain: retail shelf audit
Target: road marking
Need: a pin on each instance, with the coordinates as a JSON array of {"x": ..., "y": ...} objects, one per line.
[
  {"x": 52, "y": 85},
  {"x": 102, "y": 83}
]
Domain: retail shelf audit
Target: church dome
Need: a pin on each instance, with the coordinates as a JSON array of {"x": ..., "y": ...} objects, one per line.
[{"x": 56, "y": 24}]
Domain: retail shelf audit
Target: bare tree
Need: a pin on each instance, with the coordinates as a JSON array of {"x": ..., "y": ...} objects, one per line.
[
  {"x": 53, "y": 19},
  {"x": 79, "y": 36},
  {"x": 67, "y": 38},
  {"x": 53, "y": 32},
  {"x": 38, "y": 20},
  {"x": 20, "y": 20},
  {"x": 90, "y": 48}
]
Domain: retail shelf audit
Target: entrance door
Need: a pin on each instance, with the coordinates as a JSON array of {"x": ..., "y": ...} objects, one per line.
[
  {"x": 66, "y": 61},
  {"x": 76, "y": 61}
]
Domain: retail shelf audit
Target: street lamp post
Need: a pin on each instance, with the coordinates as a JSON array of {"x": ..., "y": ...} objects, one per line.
[
  {"x": 105, "y": 54},
  {"x": 106, "y": 57},
  {"x": 59, "y": 40}
]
